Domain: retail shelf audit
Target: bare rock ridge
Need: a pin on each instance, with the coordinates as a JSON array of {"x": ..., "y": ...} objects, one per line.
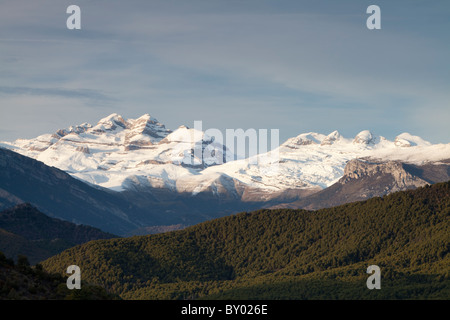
[{"x": 402, "y": 179}]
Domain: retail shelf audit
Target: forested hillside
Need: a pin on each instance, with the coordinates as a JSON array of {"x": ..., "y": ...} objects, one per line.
[
  {"x": 24, "y": 282},
  {"x": 24, "y": 230},
  {"x": 285, "y": 254}
]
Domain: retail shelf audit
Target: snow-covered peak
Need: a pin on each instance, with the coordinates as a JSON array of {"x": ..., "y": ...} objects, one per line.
[
  {"x": 331, "y": 138},
  {"x": 184, "y": 134},
  {"x": 365, "y": 137},
  {"x": 304, "y": 139},
  {"x": 144, "y": 120},
  {"x": 73, "y": 129},
  {"x": 408, "y": 140},
  {"x": 148, "y": 126},
  {"x": 147, "y": 117},
  {"x": 109, "y": 123},
  {"x": 113, "y": 117}
]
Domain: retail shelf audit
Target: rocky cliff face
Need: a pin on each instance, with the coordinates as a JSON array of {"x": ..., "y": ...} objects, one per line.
[{"x": 401, "y": 178}]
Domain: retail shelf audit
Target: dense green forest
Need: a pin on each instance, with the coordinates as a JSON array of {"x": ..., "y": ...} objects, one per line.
[
  {"x": 284, "y": 254},
  {"x": 24, "y": 282}
]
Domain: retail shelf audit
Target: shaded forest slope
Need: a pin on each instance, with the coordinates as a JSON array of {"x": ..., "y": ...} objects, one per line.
[{"x": 285, "y": 253}]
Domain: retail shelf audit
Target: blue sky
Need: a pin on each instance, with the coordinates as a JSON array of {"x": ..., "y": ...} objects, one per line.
[{"x": 296, "y": 66}]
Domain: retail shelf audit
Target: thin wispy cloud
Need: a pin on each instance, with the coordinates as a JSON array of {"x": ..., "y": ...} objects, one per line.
[{"x": 57, "y": 92}]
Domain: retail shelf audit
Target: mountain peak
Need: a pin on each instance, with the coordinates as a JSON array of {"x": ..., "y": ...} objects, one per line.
[
  {"x": 364, "y": 137},
  {"x": 150, "y": 126},
  {"x": 408, "y": 140},
  {"x": 304, "y": 139},
  {"x": 331, "y": 138},
  {"x": 147, "y": 118},
  {"x": 110, "y": 123},
  {"x": 113, "y": 117},
  {"x": 74, "y": 129}
]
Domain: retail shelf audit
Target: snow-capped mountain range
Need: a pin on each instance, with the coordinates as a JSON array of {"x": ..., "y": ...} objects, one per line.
[{"x": 122, "y": 154}]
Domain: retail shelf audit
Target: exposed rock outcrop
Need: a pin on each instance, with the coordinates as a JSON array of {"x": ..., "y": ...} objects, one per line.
[{"x": 402, "y": 179}]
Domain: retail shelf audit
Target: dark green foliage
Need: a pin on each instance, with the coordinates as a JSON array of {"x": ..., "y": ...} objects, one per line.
[
  {"x": 23, "y": 282},
  {"x": 26, "y": 231},
  {"x": 4, "y": 262},
  {"x": 22, "y": 262},
  {"x": 285, "y": 254}
]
